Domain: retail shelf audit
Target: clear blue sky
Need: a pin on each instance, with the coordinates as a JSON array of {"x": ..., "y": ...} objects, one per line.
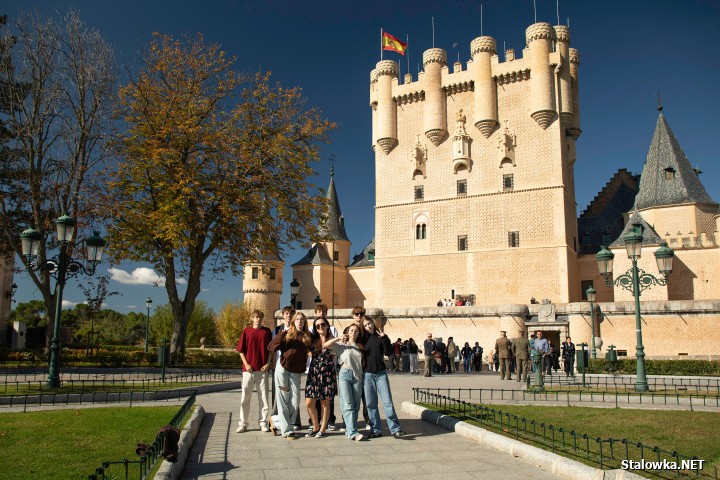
[{"x": 629, "y": 50}]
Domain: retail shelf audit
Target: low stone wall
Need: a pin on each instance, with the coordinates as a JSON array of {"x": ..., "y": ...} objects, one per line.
[{"x": 671, "y": 329}]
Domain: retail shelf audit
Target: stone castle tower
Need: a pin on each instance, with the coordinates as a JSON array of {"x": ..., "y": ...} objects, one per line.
[
  {"x": 474, "y": 174},
  {"x": 262, "y": 285}
]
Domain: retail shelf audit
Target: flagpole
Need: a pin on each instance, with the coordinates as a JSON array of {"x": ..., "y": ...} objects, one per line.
[
  {"x": 433, "y": 30},
  {"x": 381, "y": 43},
  {"x": 407, "y": 51}
]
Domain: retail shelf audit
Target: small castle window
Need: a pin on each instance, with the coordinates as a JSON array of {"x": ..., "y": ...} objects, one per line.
[
  {"x": 420, "y": 231},
  {"x": 462, "y": 242},
  {"x": 607, "y": 239},
  {"x": 584, "y": 285},
  {"x": 255, "y": 273},
  {"x": 585, "y": 240},
  {"x": 272, "y": 273},
  {"x": 513, "y": 239},
  {"x": 336, "y": 256},
  {"x": 669, "y": 173},
  {"x": 419, "y": 193},
  {"x": 508, "y": 182},
  {"x": 371, "y": 255},
  {"x": 461, "y": 188}
]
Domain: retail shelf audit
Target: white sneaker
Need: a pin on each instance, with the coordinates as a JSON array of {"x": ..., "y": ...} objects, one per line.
[
  {"x": 241, "y": 429},
  {"x": 357, "y": 437},
  {"x": 264, "y": 428}
]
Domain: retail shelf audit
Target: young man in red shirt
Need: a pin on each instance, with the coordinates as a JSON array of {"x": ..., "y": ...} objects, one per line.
[{"x": 252, "y": 346}]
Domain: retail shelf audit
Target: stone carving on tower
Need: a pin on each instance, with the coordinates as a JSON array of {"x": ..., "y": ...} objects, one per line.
[
  {"x": 506, "y": 146},
  {"x": 461, "y": 144},
  {"x": 420, "y": 159}
]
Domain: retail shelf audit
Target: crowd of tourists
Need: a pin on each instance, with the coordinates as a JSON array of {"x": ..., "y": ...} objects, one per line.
[{"x": 350, "y": 365}]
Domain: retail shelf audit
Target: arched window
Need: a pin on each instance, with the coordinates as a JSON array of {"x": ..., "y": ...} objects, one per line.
[{"x": 420, "y": 231}]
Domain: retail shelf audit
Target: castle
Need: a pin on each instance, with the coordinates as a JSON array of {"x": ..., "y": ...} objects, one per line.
[{"x": 475, "y": 199}]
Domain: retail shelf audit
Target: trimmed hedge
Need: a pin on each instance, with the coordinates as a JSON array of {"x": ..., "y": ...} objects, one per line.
[{"x": 657, "y": 367}]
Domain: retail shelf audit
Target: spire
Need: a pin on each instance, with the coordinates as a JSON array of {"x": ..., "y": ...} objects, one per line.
[
  {"x": 668, "y": 178},
  {"x": 333, "y": 228}
]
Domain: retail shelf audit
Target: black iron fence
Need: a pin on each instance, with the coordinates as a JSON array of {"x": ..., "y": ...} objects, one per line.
[
  {"x": 606, "y": 453},
  {"x": 629, "y": 399},
  {"x": 627, "y": 383},
  {"x": 11, "y": 382},
  {"x": 144, "y": 465}
]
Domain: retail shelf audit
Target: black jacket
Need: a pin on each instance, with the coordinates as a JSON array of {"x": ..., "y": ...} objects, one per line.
[{"x": 376, "y": 347}]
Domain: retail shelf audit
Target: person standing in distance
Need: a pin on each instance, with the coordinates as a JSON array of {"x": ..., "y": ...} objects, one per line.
[
  {"x": 429, "y": 350},
  {"x": 521, "y": 350},
  {"x": 502, "y": 347}
]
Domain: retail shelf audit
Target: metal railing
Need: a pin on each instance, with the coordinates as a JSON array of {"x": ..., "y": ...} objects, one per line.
[
  {"x": 617, "y": 399},
  {"x": 38, "y": 381},
  {"x": 108, "y": 469},
  {"x": 92, "y": 397},
  {"x": 627, "y": 382},
  {"x": 607, "y": 453}
]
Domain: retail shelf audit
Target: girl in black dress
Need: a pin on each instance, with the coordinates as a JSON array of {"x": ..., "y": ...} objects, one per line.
[{"x": 321, "y": 381}]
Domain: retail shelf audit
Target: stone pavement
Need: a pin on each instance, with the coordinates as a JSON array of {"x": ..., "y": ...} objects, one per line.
[{"x": 427, "y": 450}]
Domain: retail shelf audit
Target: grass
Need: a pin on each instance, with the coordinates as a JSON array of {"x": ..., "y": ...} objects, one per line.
[
  {"x": 66, "y": 444},
  {"x": 688, "y": 433}
]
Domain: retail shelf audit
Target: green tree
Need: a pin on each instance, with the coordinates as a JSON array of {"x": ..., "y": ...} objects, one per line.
[
  {"x": 58, "y": 92},
  {"x": 201, "y": 324},
  {"x": 213, "y": 169},
  {"x": 33, "y": 313}
]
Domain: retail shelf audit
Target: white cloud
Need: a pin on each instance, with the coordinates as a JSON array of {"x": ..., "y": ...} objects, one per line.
[
  {"x": 140, "y": 276},
  {"x": 67, "y": 304}
]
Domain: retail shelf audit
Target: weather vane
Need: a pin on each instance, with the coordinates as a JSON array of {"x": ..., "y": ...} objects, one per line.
[
  {"x": 332, "y": 164},
  {"x": 659, "y": 107}
]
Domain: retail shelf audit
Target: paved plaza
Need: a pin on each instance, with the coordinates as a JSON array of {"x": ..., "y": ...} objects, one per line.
[{"x": 427, "y": 451}]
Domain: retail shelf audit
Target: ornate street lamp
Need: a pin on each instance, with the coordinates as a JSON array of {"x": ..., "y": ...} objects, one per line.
[
  {"x": 294, "y": 290},
  {"x": 591, "y": 298},
  {"x": 148, "y": 304},
  {"x": 11, "y": 292},
  {"x": 61, "y": 267},
  {"x": 636, "y": 280},
  {"x": 318, "y": 299}
]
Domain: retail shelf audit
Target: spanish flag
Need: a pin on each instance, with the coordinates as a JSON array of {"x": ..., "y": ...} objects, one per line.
[{"x": 393, "y": 44}]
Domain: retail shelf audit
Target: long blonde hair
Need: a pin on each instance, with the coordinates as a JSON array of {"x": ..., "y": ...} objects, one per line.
[{"x": 302, "y": 335}]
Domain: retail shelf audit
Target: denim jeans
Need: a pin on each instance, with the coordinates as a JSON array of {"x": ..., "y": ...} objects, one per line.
[
  {"x": 378, "y": 383},
  {"x": 467, "y": 364},
  {"x": 350, "y": 395},
  {"x": 287, "y": 386}
]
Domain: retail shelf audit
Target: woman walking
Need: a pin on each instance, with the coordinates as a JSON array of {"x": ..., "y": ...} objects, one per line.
[
  {"x": 350, "y": 358},
  {"x": 293, "y": 346},
  {"x": 321, "y": 383}
]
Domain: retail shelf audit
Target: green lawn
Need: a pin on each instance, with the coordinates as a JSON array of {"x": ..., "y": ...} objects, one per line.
[
  {"x": 70, "y": 444},
  {"x": 688, "y": 433},
  {"x": 89, "y": 387}
]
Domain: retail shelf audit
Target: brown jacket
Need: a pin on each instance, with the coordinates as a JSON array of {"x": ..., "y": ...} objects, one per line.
[
  {"x": 293, "y": 353},
  {"x": 502, "y": 346},
  {"x": 521, "y": 348}
]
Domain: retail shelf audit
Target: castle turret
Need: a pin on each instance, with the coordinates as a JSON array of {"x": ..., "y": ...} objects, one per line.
[
  {"x": 434, "y": 108},
  {"x": 482, "y": 50},
  {"x": 562, "y": 34},
  {"x": 262, "y": 285},
  {"x": 539, "y": 37},
  {"x": 574, "y": 127},
  {"x": 385, "y": 125}
]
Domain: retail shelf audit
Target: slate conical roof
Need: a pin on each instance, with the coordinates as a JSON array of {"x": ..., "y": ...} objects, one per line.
[
  {"x": 333, "y": 228},
  {"x": 316, "y": 255},
  {"x": 650, "y": 236},
  {"x": 668, "y": 178}
]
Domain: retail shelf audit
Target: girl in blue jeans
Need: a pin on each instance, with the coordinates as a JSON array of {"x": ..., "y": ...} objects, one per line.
[{"x": 350, "y": 377}]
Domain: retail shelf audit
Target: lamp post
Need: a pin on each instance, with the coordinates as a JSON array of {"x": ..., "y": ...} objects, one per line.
[
  {"x": 11, "y": 293},
  {"x": 294, "y": 291},
  {"x": 318, "y": 299},
  {"x": 148, "y": 304},
  {"x": 61, "y": 267},
  {"x": 591, "y": 298},
  {"x": 636, "y": 280}
]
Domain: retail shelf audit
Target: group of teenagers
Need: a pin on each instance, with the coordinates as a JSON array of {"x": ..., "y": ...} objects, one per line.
[{"x": 296, "y": 346}]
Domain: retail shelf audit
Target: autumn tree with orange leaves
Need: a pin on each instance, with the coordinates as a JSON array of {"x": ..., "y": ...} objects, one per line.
[{"x": 213, "y": 169}]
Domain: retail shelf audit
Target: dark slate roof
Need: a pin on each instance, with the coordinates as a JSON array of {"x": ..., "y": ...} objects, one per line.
[
  {"x": 665, "y": 153},
  {"x": 315, "y": 256},
  {"x": 333, "y": 228},
  {"x": 604, "y": 216},
  {"x": 362, "y": 259},
  {"x": 650, "y": 236}
]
